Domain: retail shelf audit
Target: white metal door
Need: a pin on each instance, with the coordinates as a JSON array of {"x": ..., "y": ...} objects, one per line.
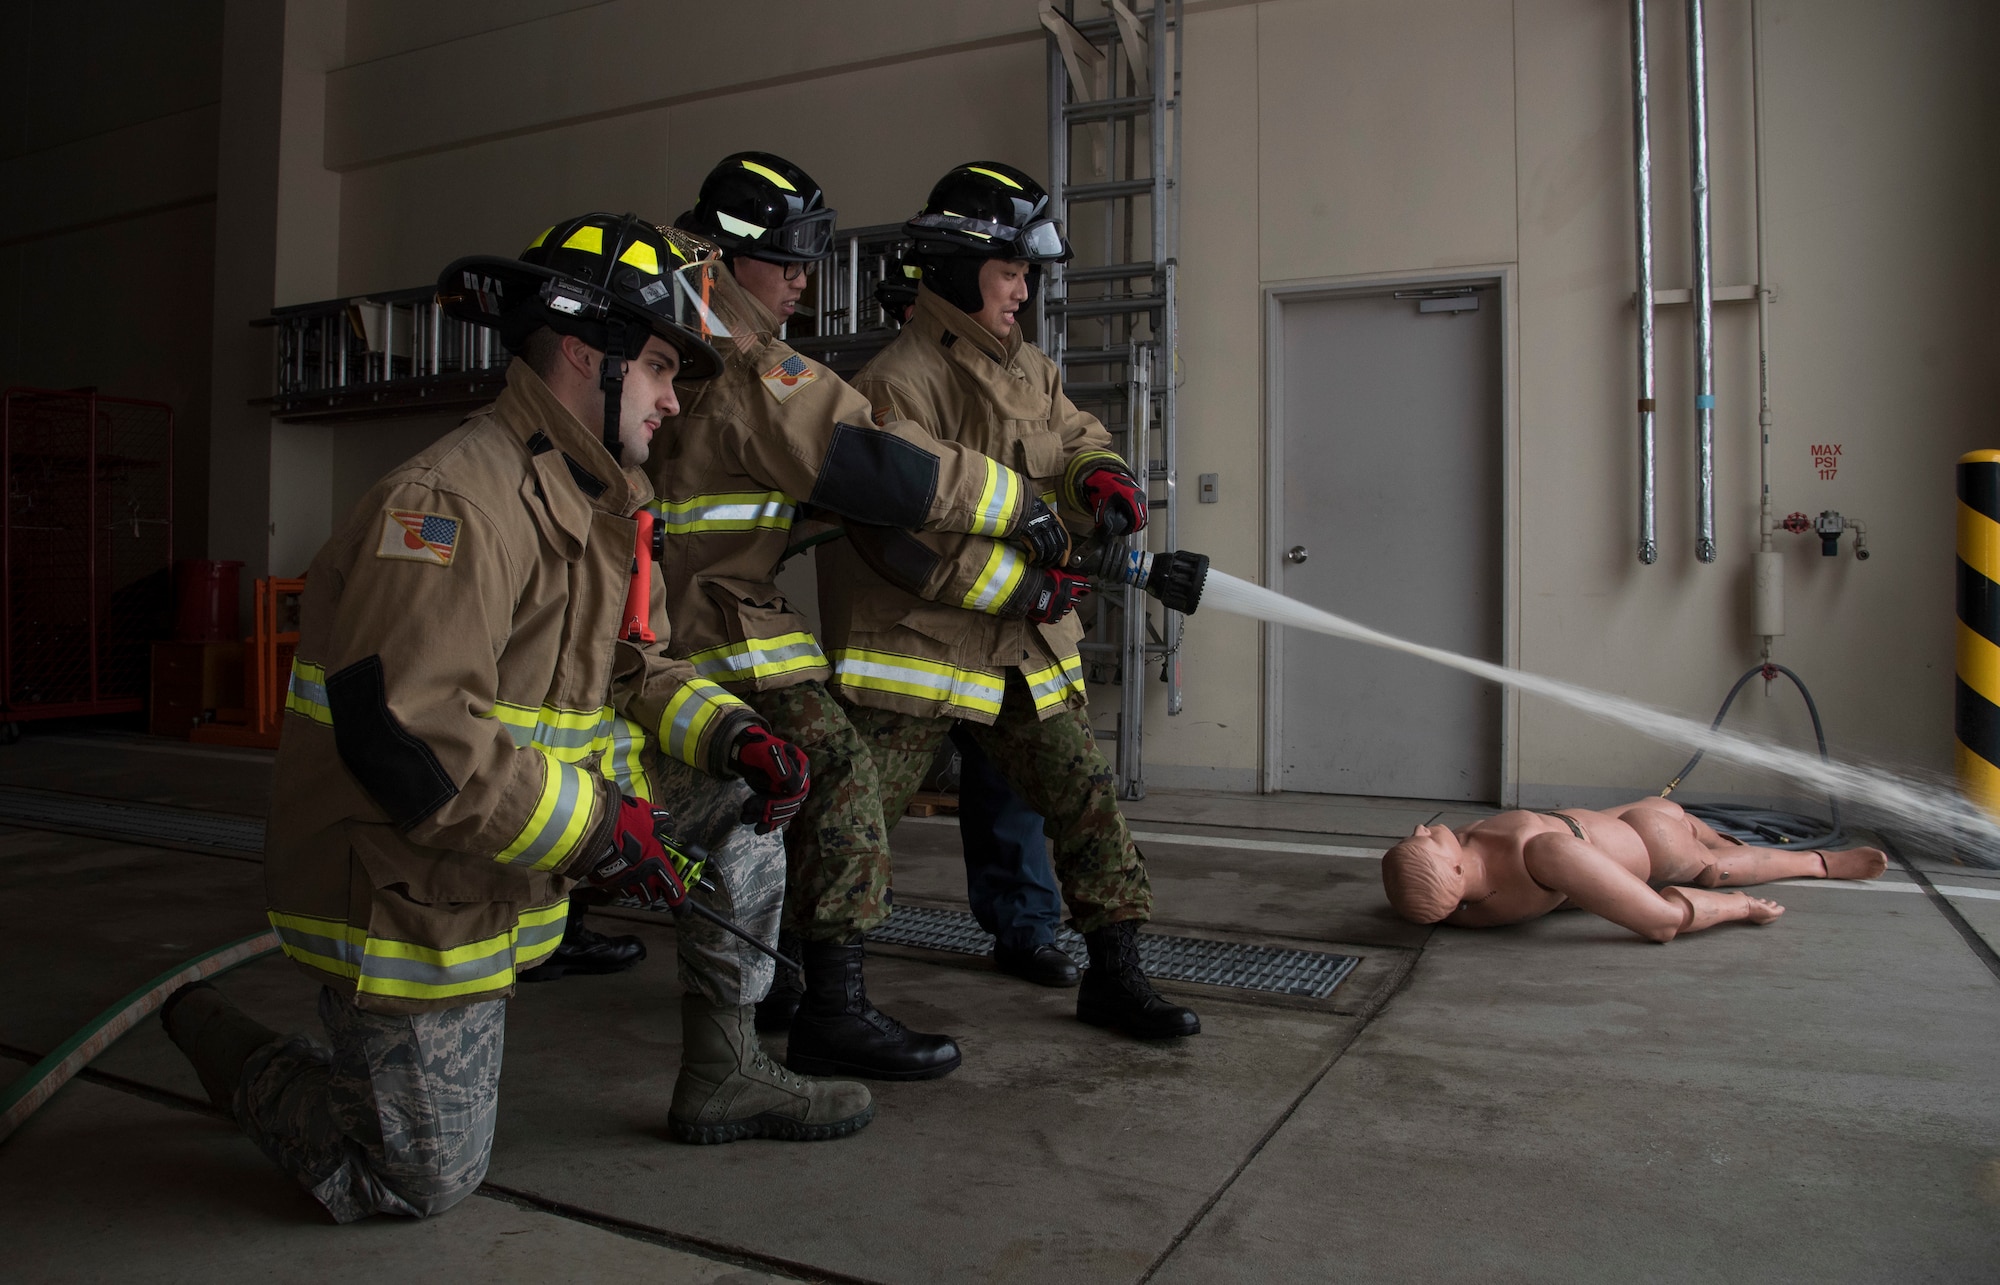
[{"x": 1391, "y": 428}]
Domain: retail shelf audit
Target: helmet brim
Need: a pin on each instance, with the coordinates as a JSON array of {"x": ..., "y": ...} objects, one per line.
[{"x": 485, "y": 289}]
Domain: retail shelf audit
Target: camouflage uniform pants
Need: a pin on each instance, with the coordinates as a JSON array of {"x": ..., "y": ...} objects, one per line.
[
  {"x": 1052, "y": 763},
  {"x": 841, "y": 823},
  {"x": 746, "y": 871},
  {"x": 397, "y": 1118}
]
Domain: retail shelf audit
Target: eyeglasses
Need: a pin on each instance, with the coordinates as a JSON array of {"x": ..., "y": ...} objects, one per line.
[{"x": 793, "y": 271}]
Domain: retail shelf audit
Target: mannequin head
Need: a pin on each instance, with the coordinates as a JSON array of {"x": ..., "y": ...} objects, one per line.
[{"x": 1425, "y": 874}]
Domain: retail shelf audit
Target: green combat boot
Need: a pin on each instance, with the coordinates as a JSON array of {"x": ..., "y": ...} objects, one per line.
[
  {"x": 729, "y": 1090},
  {"x": 216, "y": 1036}
]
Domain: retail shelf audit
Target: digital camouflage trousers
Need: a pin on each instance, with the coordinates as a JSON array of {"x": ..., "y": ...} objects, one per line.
[
  {"x": 865, "y": 772},
  {"x": 395, "y": 1118},
  {"x": 746, "y": 884}
]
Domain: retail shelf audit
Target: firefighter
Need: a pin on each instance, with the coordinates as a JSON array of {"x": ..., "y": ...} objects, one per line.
[
  {"x": 916, "y": 644},
  {"x": 776, "y": 432},
  {"x": 471, "y": 730}
]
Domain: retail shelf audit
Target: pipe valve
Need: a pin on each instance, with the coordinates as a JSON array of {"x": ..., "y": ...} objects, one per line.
[{"x": 1828, "y": 526}]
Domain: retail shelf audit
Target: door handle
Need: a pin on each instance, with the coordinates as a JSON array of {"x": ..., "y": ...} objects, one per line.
[{"x": 1297, "y": 553}]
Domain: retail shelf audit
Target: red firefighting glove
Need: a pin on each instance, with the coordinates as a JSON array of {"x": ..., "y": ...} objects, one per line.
[
  {"x": 1117, "y": 501},
  {"x": 1054, "y": 594},
  {"x": 1043, "y": 535},
  {"x": 776, "y": 770},
  {"x": 637, "y": 865}
]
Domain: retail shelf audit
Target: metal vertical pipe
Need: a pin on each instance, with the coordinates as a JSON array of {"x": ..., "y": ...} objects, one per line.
[
  {"x": 1704, "y": 290},
  {"x": 854, "y": 285},
  {"x": 1642, "y": 150},
  {"x": 437, "y": 317}
]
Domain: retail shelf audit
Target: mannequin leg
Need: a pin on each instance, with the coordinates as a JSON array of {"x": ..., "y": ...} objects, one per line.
[
  {"x": 1706, "y": 909},
  {"x": 1684, "y": 849}
]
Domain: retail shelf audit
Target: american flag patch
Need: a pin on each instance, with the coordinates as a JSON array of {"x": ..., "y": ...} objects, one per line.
[
  {"x": 418, "y": 537},
  {"x": 788, "y": 376}
]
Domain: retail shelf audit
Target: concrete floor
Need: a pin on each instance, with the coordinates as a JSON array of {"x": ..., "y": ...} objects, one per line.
[{"x": 1815, "y": 1100}]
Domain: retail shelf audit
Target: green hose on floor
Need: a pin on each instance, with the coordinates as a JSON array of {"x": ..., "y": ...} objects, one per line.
[{"x": 26, "y": 1094}]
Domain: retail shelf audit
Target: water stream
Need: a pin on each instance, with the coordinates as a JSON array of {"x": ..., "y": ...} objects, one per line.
[{"x": 1917, "y": 805}]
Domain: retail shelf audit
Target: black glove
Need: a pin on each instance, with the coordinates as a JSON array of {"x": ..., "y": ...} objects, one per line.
[
  {"x": 1043, "y": 535},
  {"x": 1051, "y": 595}
]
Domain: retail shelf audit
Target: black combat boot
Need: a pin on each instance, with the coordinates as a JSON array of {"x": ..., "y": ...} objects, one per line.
[
  {"x": 776, "y": 1010},
  {"x": 1044, "y": 965},
  {"x": 216, "y": 1036},
  {"x": 584, "y": 950},
  {"x": 838, "y": 1032},
  {"x": 1116, "y": 993}
]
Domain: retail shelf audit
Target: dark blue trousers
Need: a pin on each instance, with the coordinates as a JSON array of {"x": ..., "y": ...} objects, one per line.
[{"x": 1008, "y": 878}]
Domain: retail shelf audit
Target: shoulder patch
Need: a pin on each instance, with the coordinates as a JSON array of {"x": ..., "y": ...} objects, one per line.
[
  {"x": 418, "y": 537},
  {"x": 787, "y": 377}
]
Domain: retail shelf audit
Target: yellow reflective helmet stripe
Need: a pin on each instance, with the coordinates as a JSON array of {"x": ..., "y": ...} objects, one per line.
[
  {"x": 305, "y": 694},
  {"x": 998, "y": 580},
  {"x": 543, "y": 237},
  {"x": 768, "y": 173},
  {"x": 560, "y": 817},
  {"x": 756, "y": 658},
  {"x": 728, "y": 511},
  {"x": 999, "y": 501},
  {"x": 588, "y": 238},
  {"x": 995, "y": 174},
  {"x": 641, "y": 256},
  {"x": 688, "y": 716},
  {"x": 887, "y": 671}
]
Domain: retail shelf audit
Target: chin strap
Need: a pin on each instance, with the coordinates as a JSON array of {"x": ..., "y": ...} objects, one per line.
[{"x": 611, "y": 378}]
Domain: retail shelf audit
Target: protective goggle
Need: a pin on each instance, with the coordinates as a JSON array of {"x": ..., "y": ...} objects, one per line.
[
  {"x": 809, "y": 236},
  {"x": 1041, "y": 241},
  {"x": 685, "y": 296}
]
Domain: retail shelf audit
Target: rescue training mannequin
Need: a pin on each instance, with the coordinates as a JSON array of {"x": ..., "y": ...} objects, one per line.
[
  {"x": 915, "y": 622},
  {"x": 482, "y": 712},
  {"x": 774, "y": 433},
  {"x": 1647, "y": 866}
]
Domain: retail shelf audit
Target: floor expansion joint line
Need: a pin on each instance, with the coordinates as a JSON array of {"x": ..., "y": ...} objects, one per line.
[
  {"x": 1242, "y": 1166},
  {"x": 714, "y": 1251},
  {"x": 137, "y": 1088},
  {"x": 1951, "y": 913}
]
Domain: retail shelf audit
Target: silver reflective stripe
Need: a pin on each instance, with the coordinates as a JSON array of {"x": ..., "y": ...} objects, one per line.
[
  {"x": 1005, "y": 571},
  {"x": 755, "y": 656},
  {"x": 568, "y": 788},
  {"x": 306, "y": 689},
  {"x": 1055, "y": 682},
  {"x": 568, "y": 738},
  {"x": 533, "y": 939},
  {"x": 964, "y": 684},
  {"x": 313, "y": 943},
  {"x": 426, "y": 973}
]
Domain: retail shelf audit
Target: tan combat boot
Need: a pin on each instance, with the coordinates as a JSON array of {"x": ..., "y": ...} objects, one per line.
[{"x": 729, "y": 1090}]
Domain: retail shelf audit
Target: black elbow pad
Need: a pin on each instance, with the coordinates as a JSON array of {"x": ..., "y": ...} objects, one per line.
[
  {"x": 896, "y": 555},
  {"x": 876, "y": 477},
  {"x": 397, "y": 769}
]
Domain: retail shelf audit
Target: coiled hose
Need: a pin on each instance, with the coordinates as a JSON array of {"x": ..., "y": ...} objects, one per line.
[{"x": 1766, "y": 827}]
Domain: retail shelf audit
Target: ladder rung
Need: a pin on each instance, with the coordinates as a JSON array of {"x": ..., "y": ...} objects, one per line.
[
  {"x": 1107, "y": 108},
  {"x": 1107, "y": 191},
  {"x": 1097, "y": 356},
  {"x": 1111, "y": 272},
  {"x": 1107, "y": 307}
]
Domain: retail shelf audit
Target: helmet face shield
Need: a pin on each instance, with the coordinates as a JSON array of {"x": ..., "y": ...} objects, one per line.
[{"x": 693, "y": 299}]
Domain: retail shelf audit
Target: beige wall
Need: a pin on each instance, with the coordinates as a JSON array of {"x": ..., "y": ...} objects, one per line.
[
  {"x": 1327, "y": 140},
  {"x": 107, "y": 200}
]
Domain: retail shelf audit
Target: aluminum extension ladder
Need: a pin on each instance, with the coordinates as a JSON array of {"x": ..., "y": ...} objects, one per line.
[{"x": 1107, "y": 317}]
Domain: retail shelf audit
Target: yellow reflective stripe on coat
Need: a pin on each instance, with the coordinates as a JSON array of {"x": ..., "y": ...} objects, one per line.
[
  {"x": 560, "y": 817},
  {"x": 305, "y": 695},
  {"x": 731, "y": 511},
  {"x": 624, "y": 763},
  {"x": 999, "y": 501},
  {"x": 380, "y": 966},
  {"x": 757, "y": 658},
  {"x": 1050, "y": 686},
  {"x": 1083, "y": 463},
  {"x": 888, "y": 671},
  {"x": 688, "y": 715},
  {"x": 997, "y": 580}
]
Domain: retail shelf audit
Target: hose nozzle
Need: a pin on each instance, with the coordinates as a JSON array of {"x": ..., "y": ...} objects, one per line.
[{"x": 1176, "y": 577}]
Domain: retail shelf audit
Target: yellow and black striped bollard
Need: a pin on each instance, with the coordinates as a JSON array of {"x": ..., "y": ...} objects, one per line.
[{"x": 1976, "y": 720}]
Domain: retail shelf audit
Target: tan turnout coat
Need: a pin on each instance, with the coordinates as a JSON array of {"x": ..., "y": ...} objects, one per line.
[
  {"x": 776, "y": 432},
  {"x": 944, "y": 649},
  {"x": 462, "y": 715}
]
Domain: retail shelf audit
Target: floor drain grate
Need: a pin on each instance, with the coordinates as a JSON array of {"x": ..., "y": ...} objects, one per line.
[
  {"x": 139, "y": 821},
  {"x": 1277, "y": 970}
]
